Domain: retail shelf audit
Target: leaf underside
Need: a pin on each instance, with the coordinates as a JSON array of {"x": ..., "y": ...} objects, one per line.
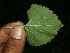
[{"x": 42, "y": 26}]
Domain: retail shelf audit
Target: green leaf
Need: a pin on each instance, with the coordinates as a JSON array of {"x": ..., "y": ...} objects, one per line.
[{"x": 42, "y": 26}]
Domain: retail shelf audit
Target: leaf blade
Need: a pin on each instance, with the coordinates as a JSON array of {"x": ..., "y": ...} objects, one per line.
[{"x": 42, "y": 26}]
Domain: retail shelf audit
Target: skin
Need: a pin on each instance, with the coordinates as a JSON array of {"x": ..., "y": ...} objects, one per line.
[{"x": 8, "y": 44}]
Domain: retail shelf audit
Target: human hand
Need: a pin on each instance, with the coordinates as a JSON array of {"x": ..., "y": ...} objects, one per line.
[{"x": 12, "y": 40}]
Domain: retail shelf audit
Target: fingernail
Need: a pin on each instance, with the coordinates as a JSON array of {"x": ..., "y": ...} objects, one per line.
[{"x": 17, "y": 32}]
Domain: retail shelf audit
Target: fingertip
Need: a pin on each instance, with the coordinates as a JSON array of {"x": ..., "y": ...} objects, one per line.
[{"x": 5, "y": 33}]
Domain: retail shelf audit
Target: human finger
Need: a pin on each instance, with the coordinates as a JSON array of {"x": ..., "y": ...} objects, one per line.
[
  {"x": 16, "y": 41},
  {"x": 5, "y": 33}
]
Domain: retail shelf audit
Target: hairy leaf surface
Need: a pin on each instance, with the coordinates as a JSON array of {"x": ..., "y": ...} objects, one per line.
[{"x": 42, "y": 26}]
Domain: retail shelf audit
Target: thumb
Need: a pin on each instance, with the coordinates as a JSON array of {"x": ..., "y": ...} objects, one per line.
[{"x": 16, "y": 41}]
